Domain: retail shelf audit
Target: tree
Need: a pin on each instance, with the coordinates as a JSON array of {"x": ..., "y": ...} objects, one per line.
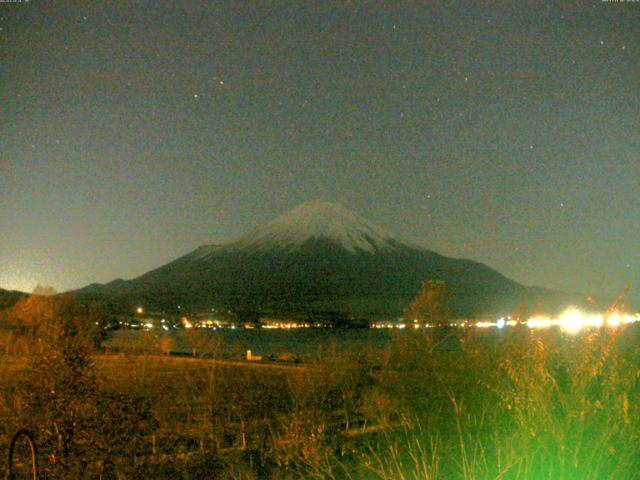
[
  {"x": 430, "y": 305},
  {"x": 203, "y": 342},
  {"x": 76, "y": 419},
  {"x": 60, "y": 381}
]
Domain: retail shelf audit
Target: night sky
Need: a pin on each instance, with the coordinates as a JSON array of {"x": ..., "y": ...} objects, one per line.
[{"x": 133, "y": 132}]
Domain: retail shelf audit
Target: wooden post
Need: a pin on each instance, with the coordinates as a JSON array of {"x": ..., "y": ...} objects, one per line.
[{"x": 244, "y": 435}]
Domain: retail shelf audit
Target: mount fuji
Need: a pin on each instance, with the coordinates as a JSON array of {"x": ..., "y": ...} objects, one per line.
[{"x": 319, "y": 259}]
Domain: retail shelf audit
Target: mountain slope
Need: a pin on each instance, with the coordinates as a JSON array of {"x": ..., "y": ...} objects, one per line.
[
  {"x": 9, "y": 297},
  {"x": 317, "y": 259}
]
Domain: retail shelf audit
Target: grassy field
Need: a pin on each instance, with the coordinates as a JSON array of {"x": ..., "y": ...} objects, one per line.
[{"x": 518, "y": 403}]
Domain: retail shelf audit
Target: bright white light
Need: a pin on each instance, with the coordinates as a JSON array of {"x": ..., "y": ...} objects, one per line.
[
  {"x": 485, "y": 324},
  {"x": 501, "y": 323},
  {"x": 614, "y": 319},
  {"x": 572, "y": 320},
  {"x": 631, "y": 318},
  {"x": 539, "y": 322}
]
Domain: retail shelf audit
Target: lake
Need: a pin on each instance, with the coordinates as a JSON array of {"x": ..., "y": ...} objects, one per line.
[
  {"x": 309, "y": 341},
  {"x": 300, "y": 342}
]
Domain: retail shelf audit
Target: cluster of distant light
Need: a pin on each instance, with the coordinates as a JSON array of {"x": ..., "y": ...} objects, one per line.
[
  {"x": 287, "y": 325},
  {"x": 212, "y": 324},
  {"x": 147, "y": 325},
  {"x": 402, "y": 324},
  {"x": 570, "y": 320}
]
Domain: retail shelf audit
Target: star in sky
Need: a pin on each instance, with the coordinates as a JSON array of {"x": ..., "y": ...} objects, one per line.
[{"x": 126, "y": 132}]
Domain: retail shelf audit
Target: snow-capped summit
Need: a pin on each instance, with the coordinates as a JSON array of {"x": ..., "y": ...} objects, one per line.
[{"x": 318, "y": 220}]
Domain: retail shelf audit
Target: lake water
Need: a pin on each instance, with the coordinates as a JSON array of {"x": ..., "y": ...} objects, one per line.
[
  {"x": 303, "y": 341},
  {"x": 307, "y": 342}
]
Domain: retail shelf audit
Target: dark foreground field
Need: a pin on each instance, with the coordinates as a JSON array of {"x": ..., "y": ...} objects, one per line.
[{"x": 458, "y": 404}]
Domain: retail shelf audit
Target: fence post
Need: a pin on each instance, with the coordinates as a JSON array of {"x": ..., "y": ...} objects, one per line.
[{"x": 32, "y": 445}]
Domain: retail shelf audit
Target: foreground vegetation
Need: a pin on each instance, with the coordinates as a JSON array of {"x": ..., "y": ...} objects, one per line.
[{"x": 514, "y": 404}]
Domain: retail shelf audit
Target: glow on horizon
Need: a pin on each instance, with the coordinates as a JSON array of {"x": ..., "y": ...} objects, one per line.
[{"x": 573, "y": 320}]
